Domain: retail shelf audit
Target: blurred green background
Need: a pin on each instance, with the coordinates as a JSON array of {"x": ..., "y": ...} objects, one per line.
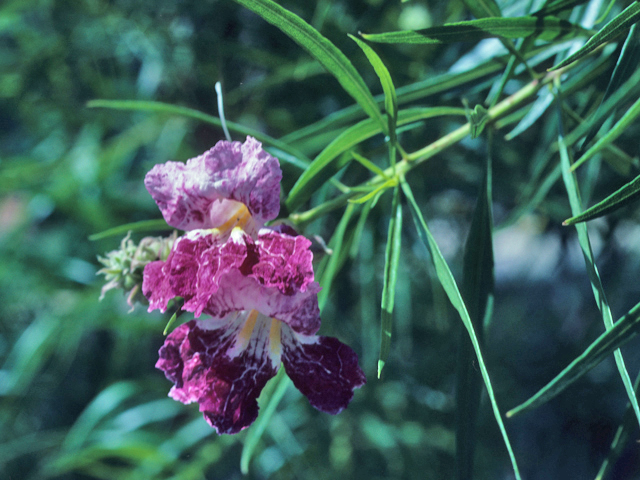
[{"x": 79, "y": 395}]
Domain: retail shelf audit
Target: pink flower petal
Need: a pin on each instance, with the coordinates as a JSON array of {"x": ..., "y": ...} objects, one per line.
[
  {"x": 272, "y": 275},
  {"x": 211, "y": 188},
  {"x": 221, "y": 367},
  {"x": 325, "y": 370}
]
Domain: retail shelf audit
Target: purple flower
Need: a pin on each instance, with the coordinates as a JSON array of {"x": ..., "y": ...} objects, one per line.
[
  {"x": 256, "y": 284},
  {"x": 232, "y": 184},
  {"x": 264, "y": 308}
]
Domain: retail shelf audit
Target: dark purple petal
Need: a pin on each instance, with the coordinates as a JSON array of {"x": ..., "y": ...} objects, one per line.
[
  {"x": 210, "y": 189},
  {"x": 325, "y": 370},
  {"x": 207, "y": 367}
]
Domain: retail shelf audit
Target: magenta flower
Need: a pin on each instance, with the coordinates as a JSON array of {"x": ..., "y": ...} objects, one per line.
[{"x": 257, "y": 286}]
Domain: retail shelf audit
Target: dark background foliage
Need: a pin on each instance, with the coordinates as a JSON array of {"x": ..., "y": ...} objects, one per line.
[{"x": 79, "y": 395}]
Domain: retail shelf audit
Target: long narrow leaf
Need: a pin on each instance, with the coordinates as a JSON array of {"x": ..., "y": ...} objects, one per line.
[
  {"x": 391, "y": 260},
  {"x": 331, "y": 264},
  {"x": 613, "y": 202},
  {"x": 483, "y": 8},
  {"x": 257, "y": 430},
  {"x": 557, "y": 6},
  {"x": 623, "y": 330},
  {"x": 547, "y": 28},
  {"x": 626, "y": 64},
  {"x": 538, "y": 108},
  {"x": 573, "y": 191},
  {"x": 319, "y": 48},
  {"x": 160, "y": 107},
  {"x": 416, "y": 91},
  {"x": 141, "y": 226},
  {"x": 477, "y": 290},
  {"x": 618, "y": 129},
  {"x": 390, "y": 99},
  {"x": 627, "y": 427},
  {"x": 449, "y": 284},
  {"x": 325, "y": 165},
  {"x": 620, "y": 24},
  {"x": 628, "y": 90}
]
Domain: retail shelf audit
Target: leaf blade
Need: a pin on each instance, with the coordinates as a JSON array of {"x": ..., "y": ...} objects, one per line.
[
  {"x": 622, "y": 331},
  {"x": 320, "y": 48},
  {"x": 449, "y": 284},
  {"x": 622, "y": 22},
  {"x": 545, "y": 28},
  {"x": 477, "y": 289},
  {"x": 621, "y": 197},
  {"x": 324, "y": 165},
  {"x": 391, "y": 262},
  {"x": 161, "y": 107},
  {"x": 390, "y": 98},
  {"x": 573, "y": 191}
]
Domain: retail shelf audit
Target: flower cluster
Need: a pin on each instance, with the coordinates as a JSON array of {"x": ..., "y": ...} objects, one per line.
[
  {"x": 254, "y": 284},
  {"x": 123, "y": 268}
]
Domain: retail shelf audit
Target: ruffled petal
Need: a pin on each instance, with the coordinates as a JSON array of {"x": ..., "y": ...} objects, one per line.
[
  {"x": 325, "y": 370},
  {"x": 210, "y": 189},
  {"x": 222, "y": 365},
  {"x": 276, "y": 279},
  {"x": 284, "y": 261},
  {"x": 273, "y": 275},
  {"x": 300, "y": 311}
]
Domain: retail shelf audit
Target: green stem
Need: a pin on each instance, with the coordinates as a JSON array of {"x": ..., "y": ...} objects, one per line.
[{"x": 412, "y": 160}]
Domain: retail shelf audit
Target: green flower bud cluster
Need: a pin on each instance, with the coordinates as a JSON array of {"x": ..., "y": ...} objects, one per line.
[{"x": 123, "y": 268}]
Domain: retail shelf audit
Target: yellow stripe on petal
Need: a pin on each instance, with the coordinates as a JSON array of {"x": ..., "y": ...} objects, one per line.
[
  {"x": 275, "y": 343},
  {"x": 239, "y": 218},
  {"x": 244, "y": 336}
]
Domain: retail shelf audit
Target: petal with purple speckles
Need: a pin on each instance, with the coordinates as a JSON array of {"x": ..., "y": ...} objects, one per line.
[
  {"x": 222, "y": 365},
  {"x": 232, "y": 184},
  {"x": 272, "y": 274},
  {"x": 325, "y": 370}
]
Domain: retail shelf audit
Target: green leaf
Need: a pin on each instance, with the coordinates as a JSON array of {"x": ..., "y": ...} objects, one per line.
[
  {"x": 369, "y": 165},
  {"x": 571, "y": 184},
  {"x": 547, "y": 28},
  {"x": 557, "y": 6},
  {"x": 392, "y": 182},
  {"x": 627, "y": 427},
  {"x": 103, "y": 405},
  {"x": 390, "y": 99},
  {"x": 324, "y": 165},
  {"x": 391, "y": 260},
  {"x": 257, "y": 429},
  {"x": 622, "y": 331},
  {"x": 477, "y": 120},
  {"x": 141, "y": 226},
  {"x": 628, "y": 90},
  {"x": 331, "y": 264},
  {"x": 171, "y": 321},
  {"x": 159, "y": 107},
  {"x": 449, "y": 284},
  {"x": 477, "y": 290},
  {"x": 621, "y": 197},
  {"x": 618, "y": 129},
  {"x": 620, "y": 24},
  {"x": 609, "y": 341},
  {"x": 538, "y": 108},
  {"x": 319, "y": 48},
  {"x": 626, "y": 64},
  {"x": 416, "y": 91},
  {"x": 483, "y": 8}
]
